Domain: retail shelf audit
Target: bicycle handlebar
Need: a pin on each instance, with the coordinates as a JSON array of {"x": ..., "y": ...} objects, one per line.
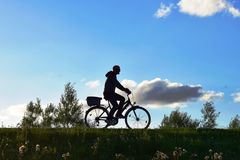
[{"x": 130, "y": 99}]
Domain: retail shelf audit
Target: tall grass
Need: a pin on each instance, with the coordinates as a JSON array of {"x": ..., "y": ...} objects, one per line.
[{"x": 107, "y": 144}]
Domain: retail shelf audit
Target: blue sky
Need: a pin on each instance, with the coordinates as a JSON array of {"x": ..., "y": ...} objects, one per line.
[{"x": 45, "y": 44}]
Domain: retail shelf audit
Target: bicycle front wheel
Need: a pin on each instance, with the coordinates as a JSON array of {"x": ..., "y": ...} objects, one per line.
[
  {"x": 137, "y": 118},
  {"x": 96, "y": 117}
]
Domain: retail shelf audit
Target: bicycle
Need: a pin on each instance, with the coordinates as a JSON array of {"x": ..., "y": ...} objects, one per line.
[{"x": 135, "y": 116}]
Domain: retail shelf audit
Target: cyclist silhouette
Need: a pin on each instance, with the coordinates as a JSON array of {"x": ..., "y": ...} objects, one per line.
[{"x": 110, "y": 95}]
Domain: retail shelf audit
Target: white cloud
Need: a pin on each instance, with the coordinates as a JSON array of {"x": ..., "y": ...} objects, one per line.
[
  {"x": 93, "y": 84},
  {"x": 12, "y": 115},
  {"x": 163, "y": 11},
  {"x": 236, "y": 97},
  {"x": 202, "y": 8},
  {"x": 172, "y": 105},
  {"x": 211, "y": 95},
  {"x": 129, "y": 84},
  {"x": 234, "y": 11}
]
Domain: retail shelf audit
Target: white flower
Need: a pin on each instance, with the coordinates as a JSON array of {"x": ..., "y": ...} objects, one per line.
[
  {"x": 21, "y": 149},
  {"x": 37, "y": 148},
  {"x": 215, "y": 156},
  {"x": 67, "y": 154},
  {"x": 206, "y": 158}
]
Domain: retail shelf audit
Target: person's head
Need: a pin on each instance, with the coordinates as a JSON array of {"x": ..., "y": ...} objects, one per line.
[{"x": 116, "y": 69}]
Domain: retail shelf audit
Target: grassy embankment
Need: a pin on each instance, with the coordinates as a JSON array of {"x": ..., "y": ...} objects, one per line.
[{"x": 107, "y": 144}]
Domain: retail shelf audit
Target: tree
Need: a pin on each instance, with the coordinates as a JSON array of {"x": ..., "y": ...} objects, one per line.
[
  {"x": 234, "y": 123},
  {"x": 209, "y": 115},
  {"x": 32, "y": 115},
  {"x": 48, "y": 117},
  {"x": 69, "y": 112},
  {"x": 179, "y": 119}
]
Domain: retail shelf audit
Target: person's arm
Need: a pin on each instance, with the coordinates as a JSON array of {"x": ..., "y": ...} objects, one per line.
[{"x": 119, "y": 86}]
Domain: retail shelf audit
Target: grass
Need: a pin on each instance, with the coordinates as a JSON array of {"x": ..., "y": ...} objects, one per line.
[{"x": 107, "y": 144}]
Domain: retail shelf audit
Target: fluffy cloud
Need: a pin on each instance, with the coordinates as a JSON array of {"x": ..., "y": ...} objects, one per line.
[
  {"x": 211, "y": 95},
  {"x": 93, "y": 84},
  {"x": 163, "y": 11},
  {"x": 234, "y": 11},
  {"x": 200, "y": 8},
  {"x": 129, "y": 84},
  {"x": 12, "y": 115},
  {"x": 164, "y": 92},
  {"x": 158, "y": 92},
  {"x": 236, "y": 97}
]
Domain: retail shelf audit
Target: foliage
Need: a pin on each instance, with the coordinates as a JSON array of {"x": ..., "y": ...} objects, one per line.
[
  {"x": 235, "y": 122},
  {"x": 32, "y": 115},
  {"x": 69, "y": 111},
  {"x": 209, "y": 115},
  {"x": 48, "y": 117},
  {"x": 179, "y": 119}
]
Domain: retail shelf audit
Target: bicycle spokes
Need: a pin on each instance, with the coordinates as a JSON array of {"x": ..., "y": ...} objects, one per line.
[
  {"x": 96, "y": 117},
  {"x": 137, "y": 117}
]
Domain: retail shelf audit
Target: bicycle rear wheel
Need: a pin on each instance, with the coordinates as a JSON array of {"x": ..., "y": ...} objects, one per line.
[
  {"x": 137, "y": 118},
  {"x": 96, "y": 117}
]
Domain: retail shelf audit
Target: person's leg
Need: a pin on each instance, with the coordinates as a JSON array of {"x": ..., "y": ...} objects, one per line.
[
  {"x": 114, "y": 103},
  {"x": 121, "y": 103}
]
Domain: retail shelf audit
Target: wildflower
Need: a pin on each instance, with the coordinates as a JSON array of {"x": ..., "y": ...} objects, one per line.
[
  {"x": 45, "y": 150},
  {"x": 163, "y": 155},
  {"x": 67, "y": 154},
  {"x": 21, "y": 149},
  {"x": 206, "y": 158},
  {"x": 184, "y": 150},
  {"x": 220, "y": 157},
  {"x": 119, "y": 156},
  {"x": 37, "y": 148},
  {"x": 210, "y": 150},
  {"x": 174, "y": 153},
  {"x": 215, "y": 156},
  {"x": 160, "y": 156}
]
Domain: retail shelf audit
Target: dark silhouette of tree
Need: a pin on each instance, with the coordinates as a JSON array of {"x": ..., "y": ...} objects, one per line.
[
  {"x": 69, "y": 112},
  {"x": 209, "y": 115},
  {"x": 48, "y": 116},
  {"x": 234, "y": 123},
  {"x": 179, "y": 119},
  {"x": 32, "y": 115}
]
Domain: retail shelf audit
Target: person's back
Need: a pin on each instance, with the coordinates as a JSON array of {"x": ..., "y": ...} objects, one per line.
[
  {"x": 109, "y": 92},
  {"x": 111, "y": 84}
]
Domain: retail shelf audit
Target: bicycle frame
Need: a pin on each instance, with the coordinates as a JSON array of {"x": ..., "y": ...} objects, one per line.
[{"x": 125, "y": 105}]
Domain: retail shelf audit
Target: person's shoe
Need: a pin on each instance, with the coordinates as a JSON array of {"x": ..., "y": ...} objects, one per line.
[
  {"x": 120, "y": 116},
  {"x": 112, "y": 121}
]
